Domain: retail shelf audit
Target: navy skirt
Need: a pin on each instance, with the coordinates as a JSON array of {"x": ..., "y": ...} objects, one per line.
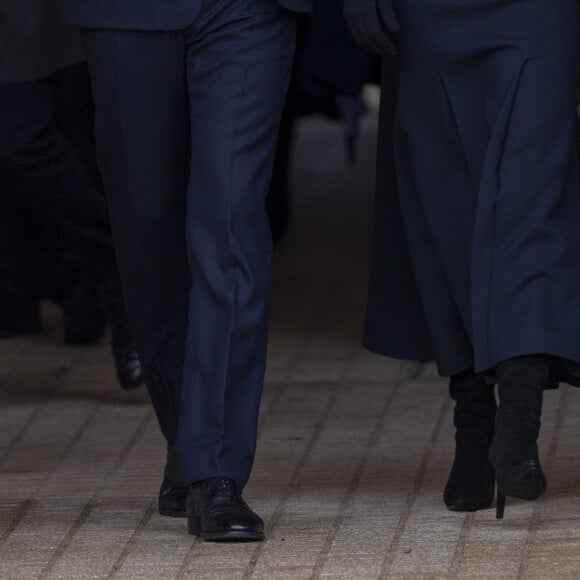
[{"x": 487, "y": 176}]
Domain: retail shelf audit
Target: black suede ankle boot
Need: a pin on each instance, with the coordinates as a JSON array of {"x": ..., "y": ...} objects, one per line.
[
  {"x": 514, "y": 451},
  {"x": 471, "y": 483}
]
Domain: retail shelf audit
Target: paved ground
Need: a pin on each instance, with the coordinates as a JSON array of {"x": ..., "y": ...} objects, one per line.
[{"x": 353, "y": 450}]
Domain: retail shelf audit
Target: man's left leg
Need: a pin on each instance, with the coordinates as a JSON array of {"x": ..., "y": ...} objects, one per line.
[{"x": 239, "y": 60}]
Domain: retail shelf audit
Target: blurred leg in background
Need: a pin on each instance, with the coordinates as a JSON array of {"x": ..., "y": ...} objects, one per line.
[
  {"x": 327, "y": 78},
  {"x": 51, "y": 200}
]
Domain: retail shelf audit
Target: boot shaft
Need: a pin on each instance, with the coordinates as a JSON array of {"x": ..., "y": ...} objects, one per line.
[{"x": 475, "y": 409}]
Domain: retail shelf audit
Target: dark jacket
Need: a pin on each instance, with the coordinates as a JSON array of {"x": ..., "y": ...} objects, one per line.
[
  {"x": 33, "y": 41},
  {"x": 331, "y": 62},
  {"x": 146, "y": 14}
]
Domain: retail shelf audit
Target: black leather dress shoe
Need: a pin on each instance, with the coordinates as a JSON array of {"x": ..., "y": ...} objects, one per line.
[
  {"x": 127, "y": 364},
  {"x": 172, "y": 500},
  {"x": 217, "y": 512}
]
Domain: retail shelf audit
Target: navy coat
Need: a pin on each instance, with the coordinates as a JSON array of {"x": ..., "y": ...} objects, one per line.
[
  {"x": 478, "y": 199},
  {"x": 395, "y": 324}
]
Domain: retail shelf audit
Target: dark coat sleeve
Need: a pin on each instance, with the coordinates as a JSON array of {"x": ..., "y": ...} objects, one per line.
[
  {"x": 331, "y": 62},
  {"x": 33, "y": 41},
  {"x": 395, "y": 324}
]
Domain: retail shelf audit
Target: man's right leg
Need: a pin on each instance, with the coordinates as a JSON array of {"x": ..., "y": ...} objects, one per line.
[{"x": 142, "y": 131}]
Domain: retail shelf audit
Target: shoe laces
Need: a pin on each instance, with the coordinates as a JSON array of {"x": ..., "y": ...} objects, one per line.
[
  {"x": 226, "y": 484},
  {"x": 226, "y": 488}
]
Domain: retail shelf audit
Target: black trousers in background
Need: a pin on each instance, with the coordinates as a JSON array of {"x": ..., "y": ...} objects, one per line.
[{"x": 53, "y": 218}]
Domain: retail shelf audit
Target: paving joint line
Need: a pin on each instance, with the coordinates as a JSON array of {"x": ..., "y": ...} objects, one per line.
[
  {"x": 27, "y": 504},
  {"x": 461, "y": 543},
  {"x": 181, "y": 573},
  {"x": 355, "y": 481},
  {"x": 137, "y": 533},
  {"x": 64, "y": 543},
  {"x": 411, "y": 498},
  {"x": 540, "y": 503},
  {"x": 23, "y": 508},
  {"x": 90, "y": 505},
  {"x": 274, "y": 520},
  {"x": 291, "y": 484},
  {"x": 36, "y": 411}
]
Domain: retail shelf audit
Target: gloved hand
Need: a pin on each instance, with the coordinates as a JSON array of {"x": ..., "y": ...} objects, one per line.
[{"x": 370, "y": 22}]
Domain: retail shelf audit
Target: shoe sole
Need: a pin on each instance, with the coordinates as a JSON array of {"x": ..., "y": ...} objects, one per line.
[
  {"x": 194, "y": 528},
  {"x": 128, "y": 384},
  {"x": 526, "y": 481},
  {"x": 172, "y": 513},
  {"x": 465, "y": 507}
]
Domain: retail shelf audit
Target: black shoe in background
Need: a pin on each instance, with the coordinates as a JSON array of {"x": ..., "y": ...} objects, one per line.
[
  {"x": 173, "y": 500},
  {"x": 127, "y": 362},
  {"x": 172, "y": 495},
  {"x": 217, "y": 512}
]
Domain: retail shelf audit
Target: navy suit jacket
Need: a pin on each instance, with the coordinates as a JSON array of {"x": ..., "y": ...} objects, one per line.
[{"x": 146, "y": 14}]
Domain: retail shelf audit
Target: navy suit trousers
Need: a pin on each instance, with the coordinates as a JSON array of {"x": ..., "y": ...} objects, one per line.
[{"x": 186, "y": 125}]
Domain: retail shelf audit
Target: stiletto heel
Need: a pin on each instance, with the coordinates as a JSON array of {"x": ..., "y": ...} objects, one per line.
[{"x": 500, "y": 506}]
